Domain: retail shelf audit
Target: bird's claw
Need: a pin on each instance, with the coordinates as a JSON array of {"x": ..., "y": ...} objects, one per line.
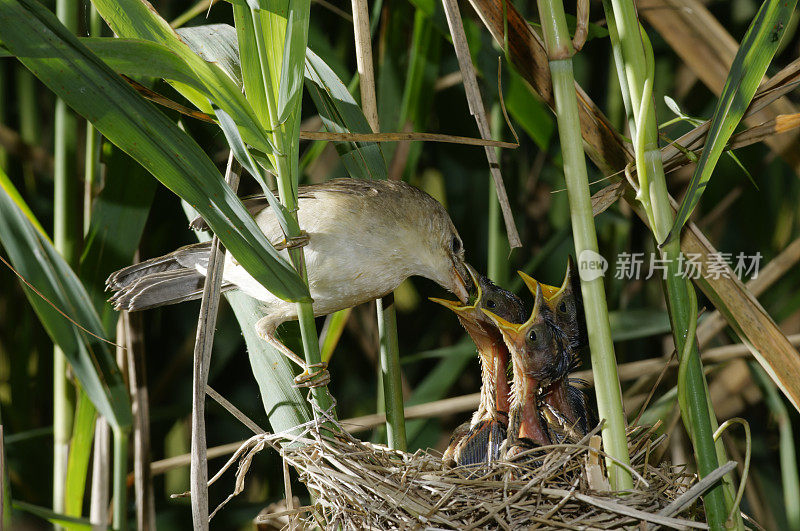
[
  {"x": 510, "y": 450},
  {"x": 313, "y": 378},
  {"x": 293, "y": 243}
]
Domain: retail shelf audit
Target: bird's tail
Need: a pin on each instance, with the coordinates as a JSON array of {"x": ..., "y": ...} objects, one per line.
[{"x": 168, "y": 279}]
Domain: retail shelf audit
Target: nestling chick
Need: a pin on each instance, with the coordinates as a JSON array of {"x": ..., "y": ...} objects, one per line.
[
  {"x": 479, "y": 440},
  {"x": 364, "y": 239},
  {"x": 533, "y": 346},
  {"x": 564, "y": 404}
]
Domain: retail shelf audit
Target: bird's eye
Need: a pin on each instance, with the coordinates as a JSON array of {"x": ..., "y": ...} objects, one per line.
[
  {"x": 455, "y": 244},
  {"x": 562, "y": 307},
  {"x": 490, "y": 304},
  {"x": 532, "y": 335}
]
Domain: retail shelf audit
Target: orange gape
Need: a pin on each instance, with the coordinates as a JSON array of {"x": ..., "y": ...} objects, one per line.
[
  {"x": 503, "y": 397},
  {"x": 531, "y": 426},
  {"x": 533, "y": 346},
  {"x": 480, "y": 442}
]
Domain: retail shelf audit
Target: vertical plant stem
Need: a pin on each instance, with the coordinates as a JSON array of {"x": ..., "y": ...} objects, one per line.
[
  {"x": 206, "y": 325},
  {"x": 391, "y": 374},
  {"x": 305, "y": 311},
  {"x": 101, "y": 461},
  {"x": 93, "y": 139},
  {"x": 636, "y": 76},
  {"x": 366, "y": 72},
  {"x": 609, "y": 399},
  {"x": 120, "y": 479},
  {"x": 65, "y": 239},
  {"x": 497, "y": 259},
  {"x": 285, "y": 136},
  {"x": 137, "y": 381}
]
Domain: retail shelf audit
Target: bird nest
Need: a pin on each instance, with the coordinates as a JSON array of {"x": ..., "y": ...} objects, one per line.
[{"x": 359, "y": 485}]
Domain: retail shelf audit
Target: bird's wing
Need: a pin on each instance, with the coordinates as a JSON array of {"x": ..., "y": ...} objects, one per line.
[
  {"x": 356, "y": 187},
  {"x": 254, "y": 204}
]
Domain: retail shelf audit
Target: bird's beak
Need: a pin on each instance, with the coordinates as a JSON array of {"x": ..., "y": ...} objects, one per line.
[
  {"x": 459, "y": 281},
  {"x": 512, "y": 333},
  {"x": 462, "y": 305},
  {"x": 505, "y": 326},
  {"x": 548, "y": 291}
]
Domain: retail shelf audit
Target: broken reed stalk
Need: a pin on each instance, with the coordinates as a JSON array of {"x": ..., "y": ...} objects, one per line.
[
  {"x": 206, "y": 325},
  {"x": 477, "y": 109},
  {"x": 391, "y": 373},
  {"x": 137, "y": 381},
  {"x": 609, "y": 397},
  {"x": 698, "y": 417}
]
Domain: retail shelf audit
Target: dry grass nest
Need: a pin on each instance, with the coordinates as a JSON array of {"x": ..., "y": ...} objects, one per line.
[{"x": 359, "y": 485}]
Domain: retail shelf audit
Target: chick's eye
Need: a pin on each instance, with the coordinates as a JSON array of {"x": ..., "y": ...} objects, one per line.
[
  {"x": 532, "y": 335},
  {"x": 490, "y": 303},
  {"x": 455, "y": 244},
  {"x": 562, "y": 307}
]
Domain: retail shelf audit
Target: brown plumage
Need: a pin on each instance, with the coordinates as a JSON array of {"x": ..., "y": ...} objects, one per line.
[{"x": 364, "y": 239}]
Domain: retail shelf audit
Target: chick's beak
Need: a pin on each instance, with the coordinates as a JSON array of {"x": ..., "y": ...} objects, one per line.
[
  {"x": 532, "y": 284},
  {"x": 455, "y": 306},
  {"x": 513, "y": 334},
  {"x": 462, "y": 305}
]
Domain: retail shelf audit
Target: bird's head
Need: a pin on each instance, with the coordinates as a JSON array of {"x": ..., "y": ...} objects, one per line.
[
  {"x": 534, "y": 344},
  {"x": 484, "y": 294},
  {"x": 566, "y": 308},
  {"x": 434, "y": 242}
]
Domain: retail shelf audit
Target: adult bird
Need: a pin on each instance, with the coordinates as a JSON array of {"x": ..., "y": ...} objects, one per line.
[
  {"x": 363, "y": 239},
  {"x": 533, "y": 346},
  {"x": 564, "y": 404},
  {"x": 479, "y": 440}
]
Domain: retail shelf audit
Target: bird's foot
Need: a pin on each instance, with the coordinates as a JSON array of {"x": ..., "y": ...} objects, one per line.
[
  {"x": 293, "y": 243},
  {"x": 510, "y": 450},
  {"x": 313, "y": 375}
]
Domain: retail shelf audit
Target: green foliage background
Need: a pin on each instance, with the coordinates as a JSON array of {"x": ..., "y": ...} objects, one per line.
[{"x": 414, "y": 63}]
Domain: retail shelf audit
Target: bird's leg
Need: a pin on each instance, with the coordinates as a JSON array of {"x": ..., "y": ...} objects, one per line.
[{"x": 313, "y": 375}]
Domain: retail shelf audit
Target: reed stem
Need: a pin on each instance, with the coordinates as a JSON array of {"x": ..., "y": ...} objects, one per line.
[
  {"x": 391, "y": 374},
  {"x": 497, "y": 252},
  {"x": 120, "y": 479},
  {"x": 285, "y": 136},
  {"x": 609, "y": 399},
  {"x": 66, "y": 237},
  {"x": 632, "y": 48}
]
